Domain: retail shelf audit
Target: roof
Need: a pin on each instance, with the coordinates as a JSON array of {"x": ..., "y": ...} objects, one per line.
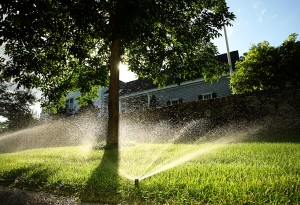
[
  {"x": 136, "y": 86},
  {"x": 143, "y": 84}
]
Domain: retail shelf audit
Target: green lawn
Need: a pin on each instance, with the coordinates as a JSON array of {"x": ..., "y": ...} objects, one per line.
[{"x": 235, "y": 173}]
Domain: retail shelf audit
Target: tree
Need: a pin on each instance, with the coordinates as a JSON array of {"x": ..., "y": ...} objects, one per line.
[
  {"x": 3, "y": 126},
  {"x": 15, "y": 106},
  {"x": 268, "y": 67},
  {"x": 61, "y": 45},
  {"x": 289, "y": 65}
]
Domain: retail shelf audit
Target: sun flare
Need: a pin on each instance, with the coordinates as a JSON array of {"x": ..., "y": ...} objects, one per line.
[{"x": 125, "y": 74}]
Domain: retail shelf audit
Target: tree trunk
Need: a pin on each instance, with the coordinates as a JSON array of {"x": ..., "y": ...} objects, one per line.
[{"x": 112, "y": 139}]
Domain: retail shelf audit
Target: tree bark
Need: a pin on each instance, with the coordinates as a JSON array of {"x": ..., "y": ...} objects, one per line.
[{"x": 112, "y": 139}]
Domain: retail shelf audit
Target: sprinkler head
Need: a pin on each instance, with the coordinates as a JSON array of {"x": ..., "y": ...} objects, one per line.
[{"x": 136, "y": 183}]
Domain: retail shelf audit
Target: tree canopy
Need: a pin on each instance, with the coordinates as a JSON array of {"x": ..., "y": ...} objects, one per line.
[
  {"x": 61, "y": 45},
  {"x": 268, "y": 67},
  {"x": 64, "y": 45}
]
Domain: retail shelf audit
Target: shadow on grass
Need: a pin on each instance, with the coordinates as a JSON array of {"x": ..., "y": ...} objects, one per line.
[
  {"x": 103, "y": 184},
  {"x": 30, "y": 177},
  {"x": 14, "y": 186}
]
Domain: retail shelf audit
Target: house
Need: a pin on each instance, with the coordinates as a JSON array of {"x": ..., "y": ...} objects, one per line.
[
  {"x": 146, "y": 95},
  {"x": 143, "y": 94}
]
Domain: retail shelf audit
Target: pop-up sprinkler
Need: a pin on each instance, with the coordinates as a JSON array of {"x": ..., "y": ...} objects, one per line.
[{"x": 136, "y": 183}]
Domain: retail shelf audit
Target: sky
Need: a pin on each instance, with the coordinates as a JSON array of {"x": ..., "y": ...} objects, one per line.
[
  {"x": 259, "y": 20},
  {"x": 256, "y": 21}
]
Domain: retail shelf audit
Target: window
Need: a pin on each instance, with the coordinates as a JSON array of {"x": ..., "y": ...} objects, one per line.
[
  {"x": 70, "y": 104},
  {"x": 175, "y": 102},
  {"x": 207, "y": 96}
]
